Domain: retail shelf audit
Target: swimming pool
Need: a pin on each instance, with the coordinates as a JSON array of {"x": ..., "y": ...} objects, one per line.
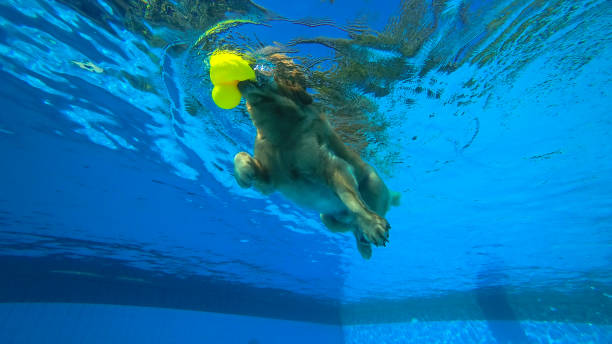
[{"x": 121, "y": 221}]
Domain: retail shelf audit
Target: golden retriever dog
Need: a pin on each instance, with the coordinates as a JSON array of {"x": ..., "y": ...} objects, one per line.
[{"x": 299, "y": 154}]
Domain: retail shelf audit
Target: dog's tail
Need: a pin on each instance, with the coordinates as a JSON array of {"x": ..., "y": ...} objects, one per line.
[{"x": 395, "y": 198}]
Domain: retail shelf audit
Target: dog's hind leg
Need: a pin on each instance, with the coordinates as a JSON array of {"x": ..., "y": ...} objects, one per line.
[
  {"x": 249, "y": 172},
  {"x": 372, "y": 188},
  {"x": 373, "y": 226},
  {"x": 334, "y": 225},
  {"x": 363, "y": 245},
  {"x": 375, "y": 193}
]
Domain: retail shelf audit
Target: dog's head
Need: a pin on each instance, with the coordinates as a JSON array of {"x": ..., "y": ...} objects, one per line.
[{"x": 279, "y": 88}]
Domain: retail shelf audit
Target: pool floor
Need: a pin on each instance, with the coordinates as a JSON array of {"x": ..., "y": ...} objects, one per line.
[{"x": 68, "y": 323}]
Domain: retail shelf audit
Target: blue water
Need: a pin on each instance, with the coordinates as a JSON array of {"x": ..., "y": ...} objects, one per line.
[{"x": 121, "y": 221}]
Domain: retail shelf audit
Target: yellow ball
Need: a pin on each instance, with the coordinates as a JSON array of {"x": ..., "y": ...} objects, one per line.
[
  {"x": 226, "y": 96},
  {"x": 227, "y": 67}
]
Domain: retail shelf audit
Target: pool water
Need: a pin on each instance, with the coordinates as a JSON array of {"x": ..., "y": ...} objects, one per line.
[{"x": 121, "y": 220}]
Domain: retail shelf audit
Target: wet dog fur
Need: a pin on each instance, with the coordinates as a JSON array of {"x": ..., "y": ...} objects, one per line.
[{"x": 298, "y": 153}]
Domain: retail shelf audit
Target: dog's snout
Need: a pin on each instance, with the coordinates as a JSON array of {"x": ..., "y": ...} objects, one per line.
[
  {"x": 263, "y": 82},
  {"x": 246, "y": 85}
]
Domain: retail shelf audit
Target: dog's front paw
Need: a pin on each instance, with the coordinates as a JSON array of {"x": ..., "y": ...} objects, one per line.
[
  {"x": 374, "y": 228},
  {"x": 244, "y": 169}
]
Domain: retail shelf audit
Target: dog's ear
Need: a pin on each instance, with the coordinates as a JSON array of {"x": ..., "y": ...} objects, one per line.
[
  {"x": 290, "y": 79},
  {"x": 293, "y": 90}
]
